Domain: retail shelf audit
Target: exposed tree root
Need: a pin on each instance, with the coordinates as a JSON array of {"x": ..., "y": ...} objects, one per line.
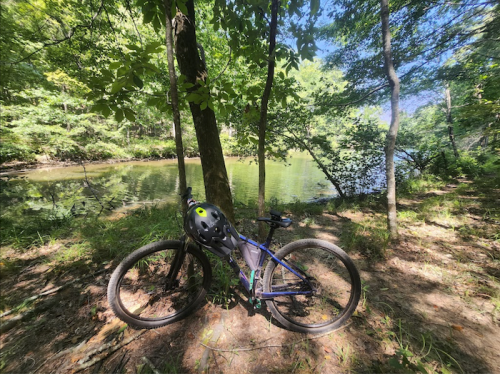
[
  {"x": 48, "y": 292},
  {"x": 106, "y": 349}
]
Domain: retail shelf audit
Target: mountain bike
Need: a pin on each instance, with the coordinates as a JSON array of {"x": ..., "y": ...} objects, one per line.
[{"x": 309, "y": 285}]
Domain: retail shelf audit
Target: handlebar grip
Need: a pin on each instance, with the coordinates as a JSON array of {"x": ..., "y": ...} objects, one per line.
[{"x": 187, "y": 195}]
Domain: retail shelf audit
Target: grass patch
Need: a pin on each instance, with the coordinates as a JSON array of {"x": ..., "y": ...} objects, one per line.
[
  {"x": 423, "y": 184},
  {"x": 369, "y": 237},
  {"x": 96, "y": 239}
]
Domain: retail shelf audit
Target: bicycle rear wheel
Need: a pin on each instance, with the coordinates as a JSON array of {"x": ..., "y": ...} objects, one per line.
[
  {"x": 141, "y": 295},
  {"x": 329, "y": 272}
]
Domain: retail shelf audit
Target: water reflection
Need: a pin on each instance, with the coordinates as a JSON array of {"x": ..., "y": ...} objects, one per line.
[{"x": 131, "y": 183}]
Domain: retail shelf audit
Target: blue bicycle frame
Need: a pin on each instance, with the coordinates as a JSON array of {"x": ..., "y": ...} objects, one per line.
[{"x": 249, "y": 284}]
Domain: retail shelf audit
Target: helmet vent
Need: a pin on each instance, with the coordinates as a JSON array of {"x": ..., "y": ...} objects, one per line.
[
  {"x": 205, "y": 226},
  {"x": 215, "y": 215}
]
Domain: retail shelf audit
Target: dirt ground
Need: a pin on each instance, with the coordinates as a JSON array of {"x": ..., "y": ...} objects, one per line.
[{"x": 429, "y": 304}]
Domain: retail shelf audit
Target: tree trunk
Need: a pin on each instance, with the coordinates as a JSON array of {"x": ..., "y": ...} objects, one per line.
[
  {"x": 65, "y": 107},
  {"x": 302, "y": 144},
  {"x": 449, "y": 120},
  {"x": 179, "y": 149},
  {"x": 217, "y": 190},
  {"x": 263, "y": 117},
  {"x": 393, "y": 129}
]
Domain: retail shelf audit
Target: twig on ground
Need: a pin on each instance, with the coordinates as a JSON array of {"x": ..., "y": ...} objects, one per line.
[
  {"x": 274, "y": 345},
  {"x": 60, "y": 354},
  {"x": 148, "y": 362},
  {"x": 7, "y": 325}
]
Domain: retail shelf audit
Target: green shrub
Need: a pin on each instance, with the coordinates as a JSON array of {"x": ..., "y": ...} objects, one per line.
[
  {"x": 100, "y": 151},
  {"x": 12, "y": 151},
  {"x": 65, "y": 149},
  {"x": 468, "y": 165}
]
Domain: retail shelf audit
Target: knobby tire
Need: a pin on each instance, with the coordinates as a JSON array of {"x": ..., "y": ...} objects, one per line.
[
  {"x": 137, "y": 291},
  {"x": 329, "y": 271}
]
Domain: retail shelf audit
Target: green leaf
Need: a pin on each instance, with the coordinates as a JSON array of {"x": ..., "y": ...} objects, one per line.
[
  {"x": 193, "y": 97},
  {"x": 129, "y": 114},
  {"x": 115, "y": 65},
  {"x": 173, "y": 10},
  {"x": 156, "y": 23},
  {"x": 153, "y": 46},
  {"x": 106, "y": 111},
  {"x": 154, "y": 101},
  {"x": 119, "y": 115},
  {"x": 204, "y": 105},
  {"x": 122, "y": 329},
  {"x": 117, "y": 86},
  {"x": 182, "y": 6},
  {"x": 314, "y": 7},
  {"x": 151, "y": 67},
  {"x": 148, "y": 16},
  {"x": 138, "y": 81}
]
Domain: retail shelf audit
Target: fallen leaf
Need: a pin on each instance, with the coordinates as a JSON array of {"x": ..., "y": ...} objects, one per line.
[
  {"x": 328, "y": 357},
  {"x": 325, "y": 317},
  {"x": 327, "y": 350},
  {"x": 457, "y": 327}
]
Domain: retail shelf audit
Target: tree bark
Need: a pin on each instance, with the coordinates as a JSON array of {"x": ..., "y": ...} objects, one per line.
[
  {"x": 65, "y": 107},
  {"x": 217, "y": 190},
  {"x": 393, "y": 129},
  {"x": 179, "y": 148},
  {"x": 449, "y": 120},
  {"x": 302, "y": 144},
  {"x": 263, "y": 117}
]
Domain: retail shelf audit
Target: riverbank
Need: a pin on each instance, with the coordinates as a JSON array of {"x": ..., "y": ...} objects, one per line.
[
  {"x": 44, "y": 162},
  {"x": 430, "y": 302}
]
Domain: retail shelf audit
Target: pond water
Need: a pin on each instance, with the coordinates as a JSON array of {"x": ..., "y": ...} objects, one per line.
[{"x": 125, "y": 185}]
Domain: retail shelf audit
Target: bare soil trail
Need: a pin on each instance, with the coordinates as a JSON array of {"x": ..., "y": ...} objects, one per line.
[{"x": 430, "y": 303}]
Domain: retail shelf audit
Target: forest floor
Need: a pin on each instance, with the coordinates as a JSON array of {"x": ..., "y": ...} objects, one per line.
[{"x": 430, "y": 302}]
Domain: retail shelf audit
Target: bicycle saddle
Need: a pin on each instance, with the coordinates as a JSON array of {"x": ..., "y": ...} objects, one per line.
[{"x": 276, "y": 220}]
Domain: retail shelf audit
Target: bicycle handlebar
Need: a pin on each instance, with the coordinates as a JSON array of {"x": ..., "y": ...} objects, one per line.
[{"x": 187, "y": 194}]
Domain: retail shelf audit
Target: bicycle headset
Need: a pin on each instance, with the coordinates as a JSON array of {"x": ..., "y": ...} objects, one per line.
[{"x": 208, "y": 226}]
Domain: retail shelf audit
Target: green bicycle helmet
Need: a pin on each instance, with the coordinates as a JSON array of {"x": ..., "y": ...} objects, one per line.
[{"x": 208, "y": 226}]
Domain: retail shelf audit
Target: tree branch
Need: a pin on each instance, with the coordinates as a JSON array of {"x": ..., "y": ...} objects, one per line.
[
  {"x": 133, "y": 20},
  {"x": 225, "y": 68},
  {"x": 67, "y": 37}
]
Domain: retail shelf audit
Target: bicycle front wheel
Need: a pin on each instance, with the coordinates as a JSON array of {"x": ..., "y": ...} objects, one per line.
[
  {"x": 141, "y": 293},
  {"x": 322, "y": 302}
]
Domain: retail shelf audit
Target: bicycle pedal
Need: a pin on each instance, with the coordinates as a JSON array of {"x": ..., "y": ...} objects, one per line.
[{"x": 257, "y": 304}]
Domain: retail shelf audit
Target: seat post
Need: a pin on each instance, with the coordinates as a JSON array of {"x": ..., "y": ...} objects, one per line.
[{"x": 270, "y": 236}]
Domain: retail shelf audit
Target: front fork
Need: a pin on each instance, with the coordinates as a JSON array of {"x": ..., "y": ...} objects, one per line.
[{"x": 171, "y": 280}]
